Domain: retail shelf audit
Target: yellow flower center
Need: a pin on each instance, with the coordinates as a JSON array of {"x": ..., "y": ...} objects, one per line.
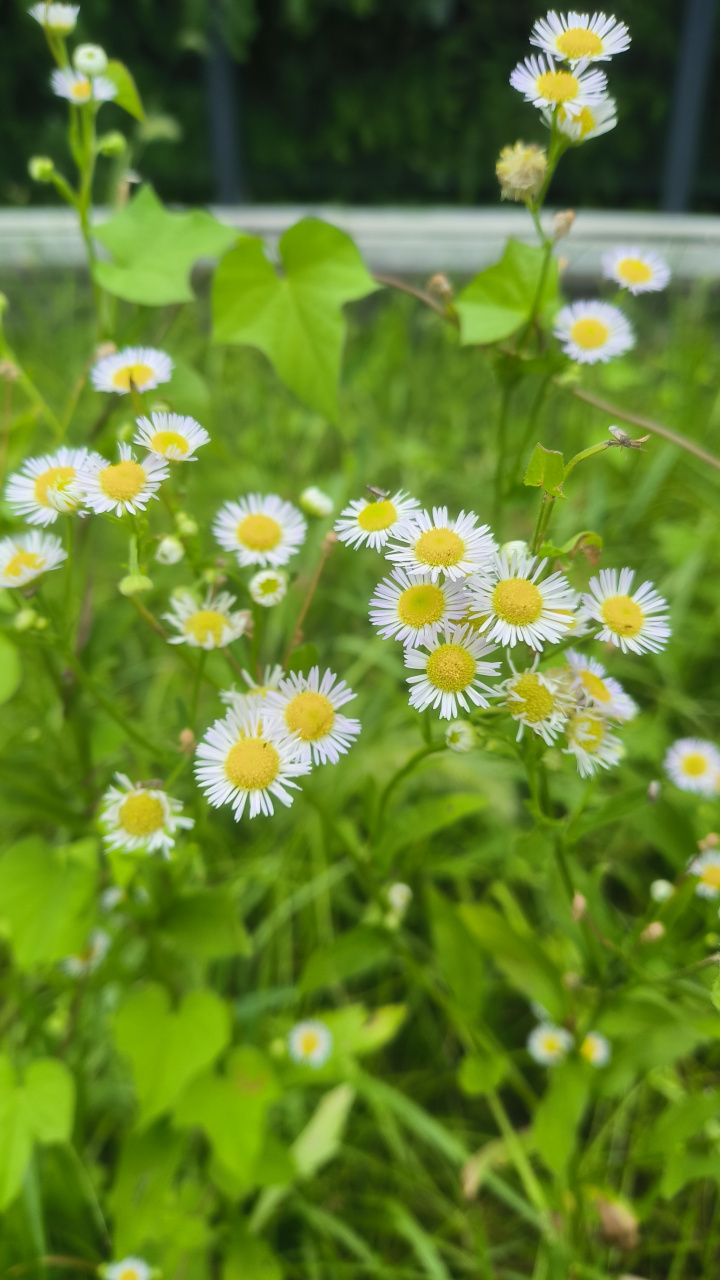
[
  {"x": 587, "y": 731},
  {"x": 450, "y": 668},
  {"x": 205, "y": 623},
  {"x": 537, "y": 701},
  {"x": 138, "y": 374},
  {"x": 439, "y": 548},
  {"x": 163, "y": 441},
  {"x": 269, "y": 586},
  {"x": 634, "y": 271},
  {"x": 595, "y": 687},
  {"x": 123, "y": 481},
  {"x": 623, "y": 615},
  {"x": 590, "y": 334},
  {"x": 21, "y": 561},
  {"x": 128, "y": 1273},
  {"x": 711, "y": 875},
  {"x": 551, "y": 1044},
  {"x": 694, "y": 765},
  {"x": 311, "y": 715},
  {"x": 586, "y": 120},
  {"x": 588, "y": 1049},
  {"x": 557, "y": 86},
  {"x": 81, "y": 90},
  {"x": 252, "y": 764},
  {"x": 141, "y": 814},
  {"x": 309, "y": 1042},
  {"x": 517, "y": 601},
  {"x": 421, "y": 604},
  {"x": 578, "y": 42},
  {"x": 377, "y": 515},
  {"x": 259, "y": 533},
  {"x": 54, "y": 478}
]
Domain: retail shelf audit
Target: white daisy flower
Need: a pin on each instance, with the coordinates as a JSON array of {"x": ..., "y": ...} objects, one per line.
[
  {"x": 590, "y": 122},
  {"x": 310, "y": 1043},
  {"x": 707, "y": 869},
  {"x": 316, "y": 502},
  {"x": 46, "y": 487},
  {"x": 593, "y": 331},
  {"x": 90, "y": 959},
  {"x": 450, "y": 672},
  {"x": 596, "y": 1049},
  {"x": 60, "y": 18},
  {"x": 139, "y": 819},
  {"x": 577, "y": 37},
  {"x": 145, "y": 367},
  {"x": 460, "y": 736},
  {"x": 25, "y": 556},
  {"x": 268, "y": 587},
  {"x": 242, "y": 760},
  {"x": 598, "y": 689},
  {"x": 367, "y": 521},
  {"x": 253, "y": 699},
  {"x": 592, "y": 743},
  {"x": 171, "y": 436},
  {"x": 544, "y": 84},
  {"x": 516, "y": 606},
  {"x": 127, "y": 485},
  {"x": 413, "y": 610},
  {"x": 548, "y": 1044},
  {"x": 431, "y": 545},
  {"x": 210, "y": 625},
  {"x": 693, "y": 764},
  {"x": 79, "y": 88},
  {"x": 261, "y": 530},
  {"x": 128, "y": 1269},
  {"x": 661, "y": 890},
  {"x": 540, "y": 701},
  {"x": 637, "y": 270},
  {"x": 638, "y": 622},
  {"x": 308, "y": 708}
]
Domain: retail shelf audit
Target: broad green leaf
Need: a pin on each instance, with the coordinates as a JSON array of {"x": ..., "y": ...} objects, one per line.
[
  {"x": 154, "y": 250},
  {"x": 143, "y": 1183},
  {"x": 49, "y": 1100},
  {"x": 501, "y": 299},
  {"x": 16, "y": 1144},
  {"x": 167, "y": 1050},
  {"x": 521, "y": 959},
  {"x": 296, "y": 317},
  {"x": 355, "y": 1031},
  {"x": 231, "y": 1109},
  {"x": 352, "y": 953},
  {"x": 559, "y": 1113},
  {"x": 426, "y": 818},
  {"x": 546, "y": 470},
  {"x": 9, "y": 669},
  {"x": 320, "y": 1140},
  {"x": 38, "y": 1109},
  {"x": 250, "y": 1258},
  {"x": 684, "y": 1167},
  {"x": 205, "y": 923},
  {"x": 127, "y": 95},
  {"x": 458, "y": 955},
  {"x": 480, "y": 1075},
  {"x": 46, "y": 898},
  {"x": 678, "y": 1122}
]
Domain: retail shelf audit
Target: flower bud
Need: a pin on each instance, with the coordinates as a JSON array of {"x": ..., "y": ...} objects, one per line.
[
  {"x": 187, "y": 741},
  {"x": 460, "y": 736},
  {"x": 400, "y": 896},
  {"x": 579, "y": 907},
  {"x": 653, "y": 791},
  {"x": 521, "y": 171},
  {"x": 654, "y": 932},
  {"x": 315, "y": 502},
  {"x": 618, "y": 1223},
  {"x": 9, "y": 371},
  {"x": 268, "y": 587},
  {"x": 562, "y": 223},
  {"x": 41, "y": 169},
  {"x": 25, "y": 619},
  {"x": 185, "y": 525},
  {"x": 134, "y": 583},
  {"x": 661, "y": 890},
  {"x": 90, "y": 59},
  {"x": 517, "y": 547},
  {"x": 111, "y": 144},
  {"x": 105, "y": 349},
  {"x": 710, "y": 841},
  {"x": 169, "y": 550},
  {"x": 440, "y": 286}
]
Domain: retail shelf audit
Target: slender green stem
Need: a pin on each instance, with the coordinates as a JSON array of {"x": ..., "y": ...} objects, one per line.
[
  {"x": 533, "y": 416},
  {"x": 430, "y": 749},
  {"x": 326, "y": 547},
  {"x": 99, "y": 697},
  {"x": 200, "y": 668}
]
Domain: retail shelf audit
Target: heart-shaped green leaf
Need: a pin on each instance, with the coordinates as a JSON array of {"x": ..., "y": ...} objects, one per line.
[
  {"x": 40, "y": 1109},
  {"x": 46, "y": 899},
  {"x": 231, "y": 1108},
  {"x": 502, "y": 298}
]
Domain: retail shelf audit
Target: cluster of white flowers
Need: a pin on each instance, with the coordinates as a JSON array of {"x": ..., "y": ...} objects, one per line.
[
  {"x": 549, "y": 1045},
  {"x": 454, "y": 598}
]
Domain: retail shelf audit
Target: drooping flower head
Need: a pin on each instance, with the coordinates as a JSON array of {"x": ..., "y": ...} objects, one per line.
[
  {"x": 637, "y": 270},
  {"x": 367, "y": 521},
  {"x": 460, "y": 736},
  {"x": 597, "y": 689},
  {"x": 310, "y": 1043},
  {"x": 244, "y": 761},
  {"x": 637, "y": 622},
  {"x": 260, "y": 529},
  {"x": 58, "y": 18},
  {"x": 434, "y": 545},
  {"x": 693, "y": 764},
  {"x": 579, "y": 38},
  {"x": 590, "y": 122},
  {"x": 25, "y": 556},
  {"x": 450, "y": 667},
  {"x": 596, "y": 1049},
  {"x": 548, "y": 1044},
  {"x": 545, "y": 84},
  {"x": 47, "y": 487},
  {"x": 139, "y": 819},
  {"x": 308, "y": 708},
  {"x": 592, "y": 332},
  {"x": 591, "y": 741},
  {"x": 516, "y": 604},
  {"x": 171, "y": 436},
  {"x": 415, "y": 609},
  {"x": 127, "y": 485},
  {"x": 316, "y": 502},
  {"x": 144, "y": 367},
  {"x": 214, "y": 624}
]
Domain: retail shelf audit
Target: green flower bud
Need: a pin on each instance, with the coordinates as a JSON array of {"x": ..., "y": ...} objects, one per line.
[
  {"x": 111, "y": 144},
  {"x": 41, "y": 169},
  {"x": 185, "y": 525},
  {"x": 90, "y": 60},
  {"x": 134, "y": 584}
]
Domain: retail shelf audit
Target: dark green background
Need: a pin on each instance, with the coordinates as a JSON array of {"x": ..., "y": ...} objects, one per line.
[{"x": 362, "y": 101}]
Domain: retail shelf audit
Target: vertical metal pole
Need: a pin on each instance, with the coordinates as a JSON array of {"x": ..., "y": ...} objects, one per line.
[
  {"x": 696, "y": 51},
  {"x": 223, "y": 110}
]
